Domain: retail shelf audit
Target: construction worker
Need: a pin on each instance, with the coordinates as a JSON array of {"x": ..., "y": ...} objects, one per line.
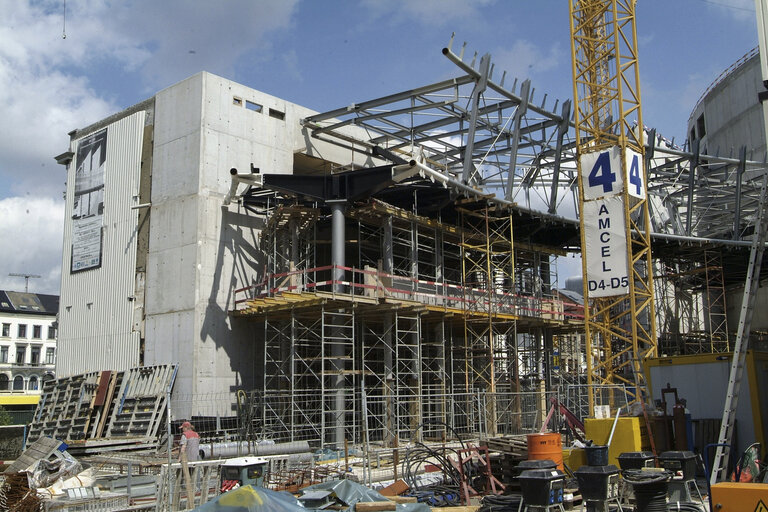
[{"x": 190, "y": 442}]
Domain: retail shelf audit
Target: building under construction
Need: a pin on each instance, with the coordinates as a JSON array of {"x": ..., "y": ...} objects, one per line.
[{"x": 389, "y": 269}]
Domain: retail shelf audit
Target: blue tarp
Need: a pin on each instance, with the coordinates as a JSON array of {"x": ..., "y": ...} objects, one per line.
[
  {"x": 257, "y": 499},
  {"x": 253, "y": 499}
]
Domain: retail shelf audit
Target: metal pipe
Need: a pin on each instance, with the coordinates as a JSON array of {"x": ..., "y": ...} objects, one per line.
[
  {"x": 613, "y": 428},
  {"x": 235, "y": 448}
]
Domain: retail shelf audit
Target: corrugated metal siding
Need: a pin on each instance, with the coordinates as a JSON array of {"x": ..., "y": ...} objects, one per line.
[{"x": 96, "y": 312}]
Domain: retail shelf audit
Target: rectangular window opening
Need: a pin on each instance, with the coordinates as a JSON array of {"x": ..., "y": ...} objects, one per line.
[
  {"x": 700, "y": 126},
  {"x": 276, "y": 114},
  {"x": 253, "y": 106},
  {"x": 237, "y": 101},
  {"x": 6, "y": 330},
  {"x": 37, "y": 331}
]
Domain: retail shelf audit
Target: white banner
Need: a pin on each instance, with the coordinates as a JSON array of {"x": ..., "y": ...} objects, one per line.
[
  {"x": 601, "y": 174},
  {"x": 635, "y": 174},
  {"x": 86, "y": 243},
  {"x": 88, "y": 205},
  {"x": 606, "y": 247}
]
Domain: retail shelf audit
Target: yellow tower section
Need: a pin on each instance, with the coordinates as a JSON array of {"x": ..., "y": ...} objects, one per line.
[{"x": 615, "y": 224}]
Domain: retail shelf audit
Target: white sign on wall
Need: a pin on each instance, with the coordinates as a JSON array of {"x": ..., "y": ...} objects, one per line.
[{"x": 606, "y": 247}]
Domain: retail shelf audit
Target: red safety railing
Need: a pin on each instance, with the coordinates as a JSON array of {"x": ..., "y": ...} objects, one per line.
[{"x": 354, "y": 282}]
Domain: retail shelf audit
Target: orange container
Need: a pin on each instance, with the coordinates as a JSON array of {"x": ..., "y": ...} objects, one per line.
[{"x": 548, "y": 445}]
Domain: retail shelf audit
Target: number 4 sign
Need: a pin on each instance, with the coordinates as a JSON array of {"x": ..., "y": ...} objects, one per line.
[
  {"x": 635, "y": 174},
  {"x": 602, "y": 177}
]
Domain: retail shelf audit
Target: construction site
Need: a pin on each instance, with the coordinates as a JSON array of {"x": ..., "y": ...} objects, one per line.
[{"x": 458, "y": 266}]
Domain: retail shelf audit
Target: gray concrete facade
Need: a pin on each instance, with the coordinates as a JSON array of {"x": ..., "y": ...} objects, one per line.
[{"x": 196, "y": 251}]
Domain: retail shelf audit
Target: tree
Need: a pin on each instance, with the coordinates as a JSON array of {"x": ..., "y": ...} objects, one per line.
[{"x": 5, "y": 417}]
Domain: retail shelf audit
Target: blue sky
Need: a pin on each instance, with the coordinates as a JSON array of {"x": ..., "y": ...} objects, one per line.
[{"x": 321, "y": 54}]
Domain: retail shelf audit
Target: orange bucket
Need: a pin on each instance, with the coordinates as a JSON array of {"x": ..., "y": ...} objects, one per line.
[{"x": 548, "y": 445}]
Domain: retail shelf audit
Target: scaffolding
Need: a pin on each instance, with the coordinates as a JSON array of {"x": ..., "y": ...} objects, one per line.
[
  {"x": 426, "y": 315},
  {"x": 447, "y": 303}
]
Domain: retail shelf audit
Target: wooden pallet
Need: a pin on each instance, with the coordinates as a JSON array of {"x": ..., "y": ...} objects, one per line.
[{"x": 516, "y": 446}]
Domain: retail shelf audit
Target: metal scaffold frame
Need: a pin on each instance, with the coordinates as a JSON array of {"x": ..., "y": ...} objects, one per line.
[
  {"x": 421, "y": 348},
  {"x": 494, "y": 148}
]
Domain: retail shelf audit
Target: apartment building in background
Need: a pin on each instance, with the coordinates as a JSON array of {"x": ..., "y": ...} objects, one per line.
[{"x": 28, "y": 331}]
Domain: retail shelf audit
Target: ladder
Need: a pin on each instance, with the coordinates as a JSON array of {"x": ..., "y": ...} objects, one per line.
[{"x": 720, "y": 462}]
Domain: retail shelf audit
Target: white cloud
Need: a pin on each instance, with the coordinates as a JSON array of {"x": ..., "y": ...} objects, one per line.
[
  {"x": 741, "y": 10},
  {"x": 47, "y": 82},
  {"x": 437, "y": 12},
  {"x": 525, "y": 59},
  {"x": 31, "y": 231},
  {"x": 183, "y": 37},
  {"x": 50, "y": 85}
]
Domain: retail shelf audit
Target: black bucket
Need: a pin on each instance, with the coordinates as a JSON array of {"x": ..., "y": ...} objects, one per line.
[{"x": 597, "y": 455}]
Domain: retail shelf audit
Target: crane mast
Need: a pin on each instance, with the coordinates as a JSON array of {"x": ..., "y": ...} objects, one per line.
[{"x": 613, "y": 202}]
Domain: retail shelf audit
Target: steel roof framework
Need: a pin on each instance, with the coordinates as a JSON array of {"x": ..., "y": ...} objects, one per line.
[{"x": 471, "y": 131}]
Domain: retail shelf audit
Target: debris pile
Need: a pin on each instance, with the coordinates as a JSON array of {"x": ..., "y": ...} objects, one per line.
[{"x": 47, "y": 477}]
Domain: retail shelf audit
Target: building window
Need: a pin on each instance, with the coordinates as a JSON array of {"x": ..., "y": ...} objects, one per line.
[
  {"x": 18, "y": 383},
  {"x": 253, "y": 106},
  {"x": 701, "y": 126},
  {"x": 21, "y": 353},
  {"x": 34, "y": 356},
  {"x": 32, "y": 385},
  {"x": 49, "y": 355},
  {"x": 51, "y": 332},
  {"x": 3, "y": 382},
  {"x": 22, "y": 331},
  {"x": 37, "y": 331},
  {"x": 276, "y": 114},
  {"x": 6, "y": 330},
  {"x": 3, "y": 354}
]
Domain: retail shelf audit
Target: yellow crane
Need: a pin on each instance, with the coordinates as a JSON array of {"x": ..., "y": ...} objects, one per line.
[{"x": 615, "y": 223}]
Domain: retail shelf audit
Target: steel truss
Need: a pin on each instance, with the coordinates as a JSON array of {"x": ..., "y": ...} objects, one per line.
[{"x": 498, "y": 145}]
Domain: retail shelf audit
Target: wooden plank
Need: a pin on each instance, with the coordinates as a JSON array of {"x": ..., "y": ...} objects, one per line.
[
  {"x": 403, "y": 499},
  {"x": 102, "y": 386},
  {"x": 395, "y": 488},
  {"x": 375, "y": 506},
  {"x": 107, "y": 400}
]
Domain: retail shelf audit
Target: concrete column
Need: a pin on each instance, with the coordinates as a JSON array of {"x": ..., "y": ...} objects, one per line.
[
  {"x": 338, "y": 351},
  {"x": 337, "y": 240}
]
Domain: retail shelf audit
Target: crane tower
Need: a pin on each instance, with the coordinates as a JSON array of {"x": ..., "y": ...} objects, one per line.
[{"x": 613, "y": 205}]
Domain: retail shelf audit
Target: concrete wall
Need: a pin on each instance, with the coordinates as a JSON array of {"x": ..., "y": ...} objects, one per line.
[
  {"x": 733, "y": 309},
  {"x": 733, "y": 116},
  {"x": 200, "y": 251},
  {"x": 169, "y": 270}
]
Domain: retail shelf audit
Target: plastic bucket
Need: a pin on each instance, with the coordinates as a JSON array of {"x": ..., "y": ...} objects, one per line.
[
  {"x": 544, "y": 446},
  {"x": 597, "y": 455}
]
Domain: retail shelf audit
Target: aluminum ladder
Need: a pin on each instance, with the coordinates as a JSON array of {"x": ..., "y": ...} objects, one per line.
[{"x": 720, "y": 462}]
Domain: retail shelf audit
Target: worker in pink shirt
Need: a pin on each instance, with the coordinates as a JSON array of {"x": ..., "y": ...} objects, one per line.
[{"x": 190, "y": 442}]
